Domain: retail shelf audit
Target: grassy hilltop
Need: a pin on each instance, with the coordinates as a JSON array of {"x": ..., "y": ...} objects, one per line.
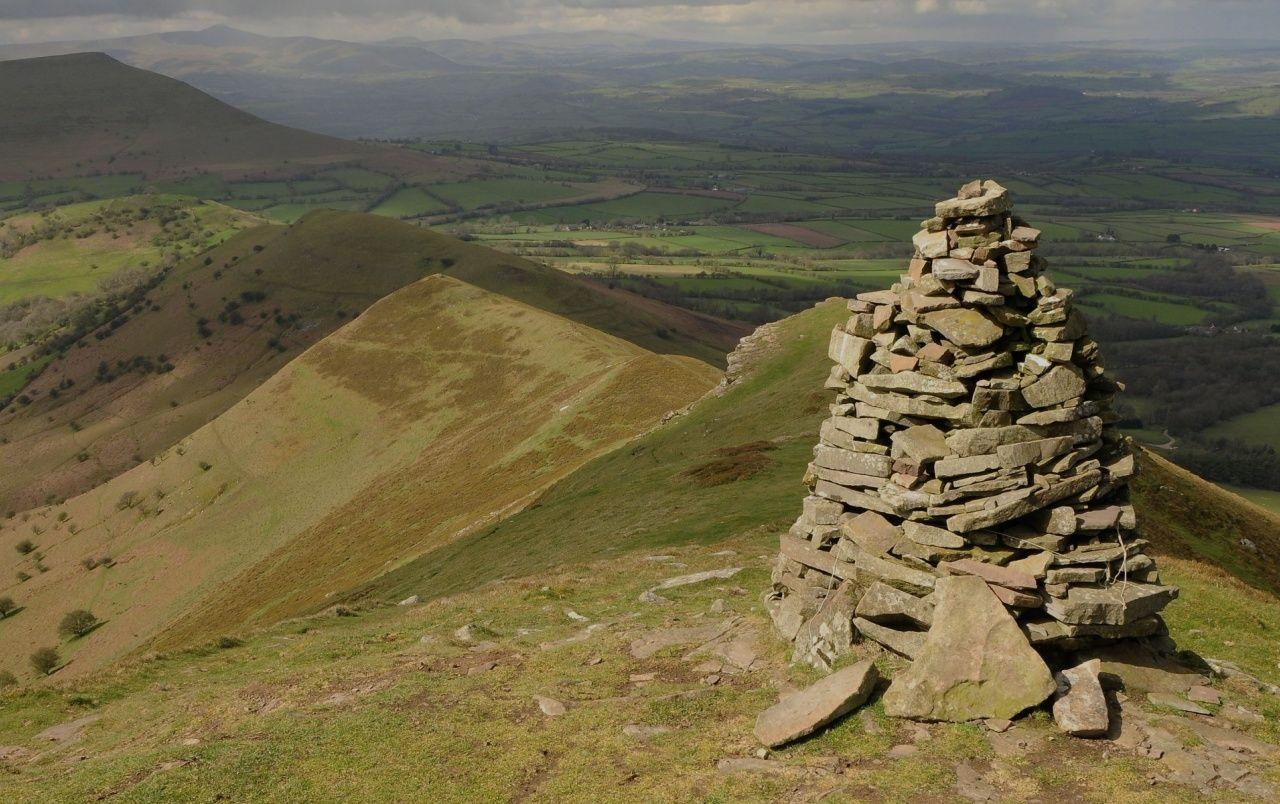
[
  {"x": 88, "y": 115},
  {"x": 217, "y": 325},
  {"x": 658, "y": 697},
  {"x": 438, "y": 409}
]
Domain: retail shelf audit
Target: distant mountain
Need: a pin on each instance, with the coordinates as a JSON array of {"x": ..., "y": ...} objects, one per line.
[
  {"x": 87, "y": 114},
  {"x": 220, "y": 49},
  {"x": 894, "y": 100}
]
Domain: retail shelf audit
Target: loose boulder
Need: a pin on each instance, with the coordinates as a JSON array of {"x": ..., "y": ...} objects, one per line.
[
  {"x": 810, "y": 709},
  {"x": 1081, "y": 707},
  {"x": 975, "y": 664}
]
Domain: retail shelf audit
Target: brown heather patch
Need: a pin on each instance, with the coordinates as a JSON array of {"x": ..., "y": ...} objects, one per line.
[{"x": 733, "y": 463}]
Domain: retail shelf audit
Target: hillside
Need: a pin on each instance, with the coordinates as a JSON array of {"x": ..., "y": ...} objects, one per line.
[
  {"x": 216, "y": 326},
  {"x": 402, "y": 431},
  {"x": 734, "y": 465},
  {"x": 76, "y": 249},
  {"x": 86, "y": 114},
  {"x": 569, "y": 682}
]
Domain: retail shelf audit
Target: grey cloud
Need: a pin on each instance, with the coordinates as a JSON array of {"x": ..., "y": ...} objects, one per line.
[{"x": 743, "y": 20}]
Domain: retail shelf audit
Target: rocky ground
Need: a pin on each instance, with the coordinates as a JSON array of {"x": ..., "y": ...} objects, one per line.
[{"x": 637, "y": 678}]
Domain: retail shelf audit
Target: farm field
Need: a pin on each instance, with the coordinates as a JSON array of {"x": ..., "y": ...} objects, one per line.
[
  {"x": 1261, "y": 426},
  {"x": 75, "y": 248},
  {"x": 1263, "y": 498},
  {"x": 755, "y": 235}
]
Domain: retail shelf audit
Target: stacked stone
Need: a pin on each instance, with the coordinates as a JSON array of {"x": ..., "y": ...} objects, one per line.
[{"x": 969, "y": 436}]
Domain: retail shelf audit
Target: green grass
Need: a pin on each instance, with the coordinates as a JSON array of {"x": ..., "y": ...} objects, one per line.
[
  {"x": 1147, "y": 309},
  {"x": 359, "y": 179},
  {"x": 84, "y": 244},
  {"x": 306, "y": 710},
  {"x": 643, "y": 485},
  {"x": 410, "y": 202},
  {"x": 1261, "y": 426},
  {"x": 1263, "y": 498},
  {"x": 499, "y": 192},
  {"x": 13, "y": 379},
  {"x": 643, "y": 206}
]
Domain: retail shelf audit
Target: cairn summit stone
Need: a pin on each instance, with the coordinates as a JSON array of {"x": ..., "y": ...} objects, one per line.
[{"x": 970, "y": 439}]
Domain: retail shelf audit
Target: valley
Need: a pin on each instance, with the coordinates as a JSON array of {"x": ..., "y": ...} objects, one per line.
[{"x": 419, "y": 419}]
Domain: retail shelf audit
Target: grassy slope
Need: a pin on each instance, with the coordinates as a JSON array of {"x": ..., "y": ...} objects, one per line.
[
  {"x": 640, "y": 498},
  {"x": 387, "y": 706},
  {"x": 327, "y": 267},
  {"x": 66, "y": 262},
  {"x": 306, "y": 710},
  {"x": 315, "y": 271},
  {"x": 86, "y": 113},
  {"x": 400, "y": 432}
]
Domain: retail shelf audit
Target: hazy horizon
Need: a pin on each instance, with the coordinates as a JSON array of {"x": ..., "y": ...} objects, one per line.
[{"x": 752, "y": 22}]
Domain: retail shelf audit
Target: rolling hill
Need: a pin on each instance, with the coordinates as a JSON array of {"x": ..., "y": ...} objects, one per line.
[
  {"x": 438, "y": 409},
  {"x": 86, "y": 114},
  {"x": 217, "y": 325},
  {"x": 734, "y": 464},
  {"x": 539, "y": 669}
]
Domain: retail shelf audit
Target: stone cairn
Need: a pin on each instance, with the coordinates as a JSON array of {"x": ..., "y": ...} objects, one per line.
[{"x": 969, "y": 437}]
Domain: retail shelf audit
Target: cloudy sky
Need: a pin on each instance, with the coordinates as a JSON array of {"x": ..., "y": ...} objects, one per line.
[{"x": 825, "y": 21}]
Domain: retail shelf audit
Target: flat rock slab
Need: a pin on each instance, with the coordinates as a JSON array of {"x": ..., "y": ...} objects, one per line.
[
  {"x": 64, "y": 732},
  {"x": 550, "y": 706},
  {"x": 884, "y": 605},
  {"x": 1141, "y": 669},
  {"x": 734, "y": 765},
  {"x": 1081, "y": 707},
  {"x": 697, "y": 577},
  {"x": 1171, "y": 701},
  {"x": 975, "y": 664},
  {"x": 650, "y": 644},
  {"x": 810, "y": 709},
  {"x": 966, "y": 328},
  {"x": 901, "y": 642},
  {"x": 1118, "y": 604},
  {"x": 1003, "y": 576}
]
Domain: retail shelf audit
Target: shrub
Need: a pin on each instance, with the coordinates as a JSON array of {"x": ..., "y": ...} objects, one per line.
[
  {"x": 7, "y": 607},
  {"x": 22, "y": 577},
  {"x": 77, "y": 623},
  {"x": 25, "y": 546},
  {"x": 45, "y": 661},
  {"x": 7, "y": 680},
  {"x": 89, "y": 563},
  {"x": 227, "y": 642}
]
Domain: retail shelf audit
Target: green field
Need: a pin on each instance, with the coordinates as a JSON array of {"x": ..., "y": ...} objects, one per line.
[
  {"x": 1261, "y": 426},
  {"x": 494, "y": 192},
  {"x": 410, "y": 202},
  {"x": 75, "y": 248},
  {"x": 1163, "y": 311},
  {"x": 13, "y": 379},
  {"x": 1264, "y": 498}
]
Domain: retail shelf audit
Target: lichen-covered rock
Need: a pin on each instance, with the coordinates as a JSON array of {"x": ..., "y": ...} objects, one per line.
[
  {"x": 976, "y": 663},
  {"x": 1080, "y": 708},
  {"x": 806, "y": 711}
]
